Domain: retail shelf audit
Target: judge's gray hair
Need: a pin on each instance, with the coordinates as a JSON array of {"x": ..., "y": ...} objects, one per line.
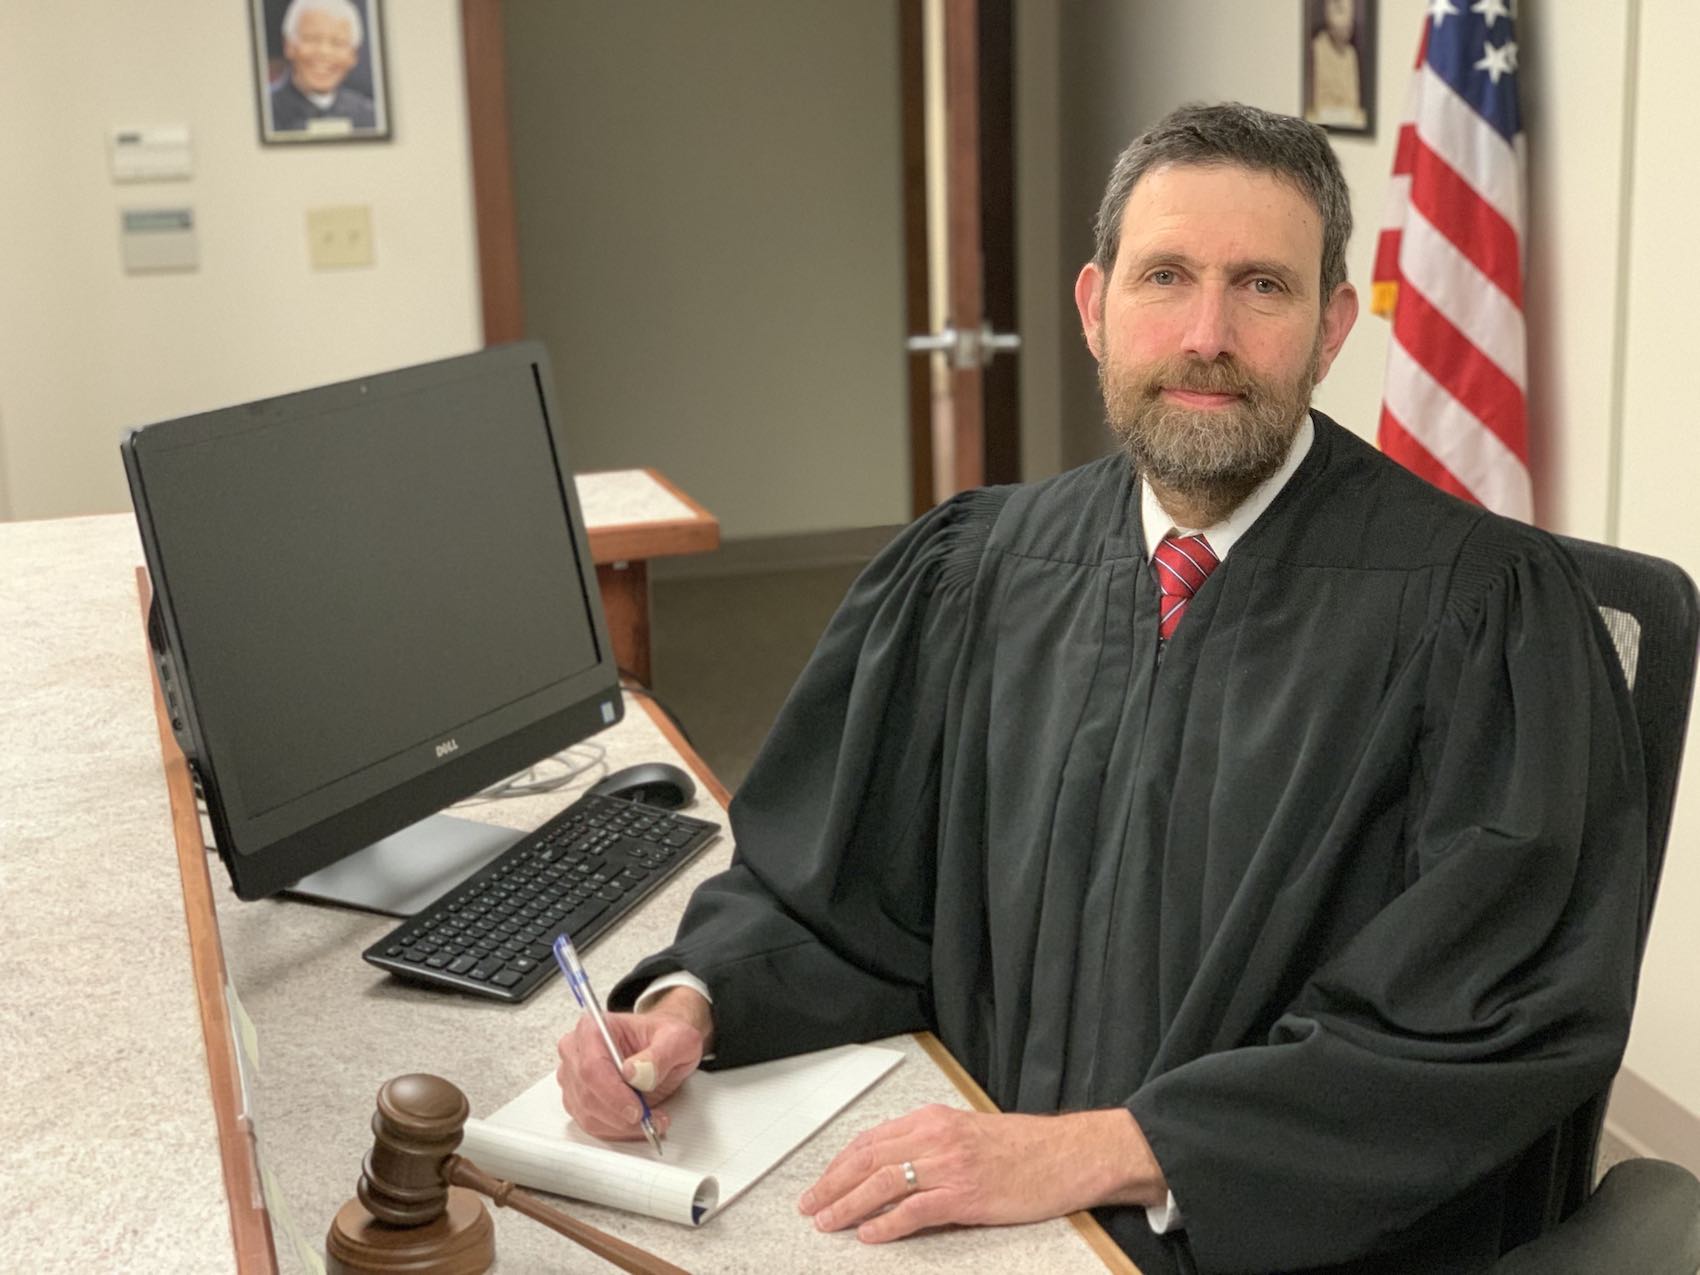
[
  {"x": 1244, "y": 136},
  {"x": 332, "y": 8}
]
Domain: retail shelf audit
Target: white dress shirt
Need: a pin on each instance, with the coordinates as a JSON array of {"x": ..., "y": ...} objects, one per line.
[{"x": 1225, "y": 534}]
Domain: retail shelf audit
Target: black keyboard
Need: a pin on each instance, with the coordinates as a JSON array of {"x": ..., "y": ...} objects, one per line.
[{"x": 580, "y": 873}]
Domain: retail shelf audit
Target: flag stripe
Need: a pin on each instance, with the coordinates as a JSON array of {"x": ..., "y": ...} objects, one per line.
[
  {"x": 1405, "y": 150},
  {"x": 1429, "y": 263},
  {"x": 1494, "y": 474},
  {"x": 1470, "y": 225},
  {"x": 1387, "y": 257},
  {"x": 1399, "y": 444},
  {"x": 1486, "y": 161},
  {"x": 1398, "y": 200},
  {"x": 1473, "y": 379},
  {"x": 1449, "y": 266}
]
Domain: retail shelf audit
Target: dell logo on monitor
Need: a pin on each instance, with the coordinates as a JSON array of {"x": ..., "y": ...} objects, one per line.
[{"x": 446, "y": 747}]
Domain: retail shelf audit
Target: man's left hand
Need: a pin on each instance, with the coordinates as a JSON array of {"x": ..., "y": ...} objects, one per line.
[{"x": 977, "y": 1169}]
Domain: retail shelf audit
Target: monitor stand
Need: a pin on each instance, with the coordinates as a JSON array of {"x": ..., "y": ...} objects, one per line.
[{"x": 407, "y": 870}]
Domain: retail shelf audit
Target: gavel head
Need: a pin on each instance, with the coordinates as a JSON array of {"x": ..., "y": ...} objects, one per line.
[{"x": 417, "y": 1126}]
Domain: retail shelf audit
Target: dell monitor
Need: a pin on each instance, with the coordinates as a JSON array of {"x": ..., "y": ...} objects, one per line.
[{"x": 371, "y": 600}]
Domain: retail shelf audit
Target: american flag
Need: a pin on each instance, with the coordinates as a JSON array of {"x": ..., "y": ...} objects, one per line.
[{"x": 1449, "y": 264}]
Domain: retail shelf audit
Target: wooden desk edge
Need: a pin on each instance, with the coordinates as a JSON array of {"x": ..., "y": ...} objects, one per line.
[
  {"x": 1096, "y": 1237},
  {"x": 656, "y": 538},
  {"x": 250, "y": 1224},
  {"x": 663, "y": 481}
]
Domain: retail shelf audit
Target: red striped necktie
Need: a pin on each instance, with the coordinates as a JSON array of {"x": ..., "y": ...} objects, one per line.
[{"x": 1182, "y": 564}]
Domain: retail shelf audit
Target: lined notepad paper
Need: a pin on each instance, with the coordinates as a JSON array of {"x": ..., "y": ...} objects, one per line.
[{"x": 728, "y": 1128}]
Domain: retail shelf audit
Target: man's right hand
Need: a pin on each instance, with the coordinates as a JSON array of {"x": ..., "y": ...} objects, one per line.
[{"x": 661, "y": 1046}]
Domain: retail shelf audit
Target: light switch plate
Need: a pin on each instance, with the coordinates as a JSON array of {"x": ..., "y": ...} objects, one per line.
[{"x": 340, "y": 236}]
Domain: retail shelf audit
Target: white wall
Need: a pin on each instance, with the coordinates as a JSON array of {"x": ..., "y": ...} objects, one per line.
[
  {"x": 1611, "y": 276},
  {"x": 711, "y": 238},
  {"x": 1575, "y": 117},
  {"x": 1661, "y": 454},
  {"x": 87, "y": 350}
]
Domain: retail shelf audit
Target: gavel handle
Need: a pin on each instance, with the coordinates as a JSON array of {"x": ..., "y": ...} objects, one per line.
[{"x": 458, "y": 1171}]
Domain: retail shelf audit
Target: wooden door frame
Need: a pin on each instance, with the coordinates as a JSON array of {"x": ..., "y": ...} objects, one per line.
[
  {"x": 1001, "y": 384},
  {"x": 964, "y": 288},
  {"x": 980, "y": 159},
  {"x": 495, "y": 221},
  {"x": 917, "y": 316}
]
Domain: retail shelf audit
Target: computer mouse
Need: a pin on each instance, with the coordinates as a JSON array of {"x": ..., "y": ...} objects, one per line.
[{"x": 655, "y": 783}]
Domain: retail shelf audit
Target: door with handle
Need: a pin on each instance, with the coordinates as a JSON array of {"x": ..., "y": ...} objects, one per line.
[{"x": 960, "y": 229}]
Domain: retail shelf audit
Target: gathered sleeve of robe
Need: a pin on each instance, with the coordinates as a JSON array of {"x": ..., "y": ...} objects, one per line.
[
  {"x": 1491, "y": 991},
  {"x": 820, "y": 932}
]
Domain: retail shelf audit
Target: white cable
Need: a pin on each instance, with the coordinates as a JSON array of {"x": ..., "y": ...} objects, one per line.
[{"x": 575, "y": 761}]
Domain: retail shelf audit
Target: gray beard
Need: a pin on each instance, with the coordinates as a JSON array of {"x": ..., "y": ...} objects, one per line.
[{"x": 1212, "y": 459}]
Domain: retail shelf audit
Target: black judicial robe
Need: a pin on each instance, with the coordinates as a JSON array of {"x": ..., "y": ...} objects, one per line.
[{"x": 1340, "y": 898}]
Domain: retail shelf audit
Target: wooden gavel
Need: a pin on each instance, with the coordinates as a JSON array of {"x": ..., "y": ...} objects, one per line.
[{"x": 415, "y": 1210}]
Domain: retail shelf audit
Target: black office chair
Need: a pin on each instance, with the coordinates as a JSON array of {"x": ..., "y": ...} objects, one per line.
[{"x": 1645, "y": 1215}]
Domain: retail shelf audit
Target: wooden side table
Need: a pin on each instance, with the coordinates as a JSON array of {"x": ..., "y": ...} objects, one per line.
[{"x": 631, "y": 516}]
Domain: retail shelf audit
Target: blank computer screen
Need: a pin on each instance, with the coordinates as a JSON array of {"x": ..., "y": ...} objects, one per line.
[{"x": 366, "y": 580}]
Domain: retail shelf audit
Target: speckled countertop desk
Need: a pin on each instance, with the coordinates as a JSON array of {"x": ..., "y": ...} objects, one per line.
[
  {"x": 115, "y": 1163},
  {"x": 112, "y": 1163},
  {"x": 617, "y": 497}
]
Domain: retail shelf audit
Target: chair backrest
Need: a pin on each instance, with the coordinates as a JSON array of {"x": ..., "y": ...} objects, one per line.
[{"x": 1651, "y": 611}]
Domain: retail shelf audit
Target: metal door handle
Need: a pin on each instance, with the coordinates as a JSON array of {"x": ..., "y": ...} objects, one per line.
[{"x": 967, "y": 347}]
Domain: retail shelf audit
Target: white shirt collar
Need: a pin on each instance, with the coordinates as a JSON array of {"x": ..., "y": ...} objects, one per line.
[{"x": 1223, "y": 535}]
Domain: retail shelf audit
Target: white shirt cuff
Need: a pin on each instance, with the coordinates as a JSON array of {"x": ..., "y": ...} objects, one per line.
[
  {"x": 1165, "y": 1217},
  {"x": 678, "y": 978}
]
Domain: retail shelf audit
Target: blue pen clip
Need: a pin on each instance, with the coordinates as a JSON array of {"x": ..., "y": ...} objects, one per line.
[{"x": 572, "y": 969}]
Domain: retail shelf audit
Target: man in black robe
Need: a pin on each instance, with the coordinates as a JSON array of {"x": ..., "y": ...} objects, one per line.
[{"x": 1283, "y": 897}]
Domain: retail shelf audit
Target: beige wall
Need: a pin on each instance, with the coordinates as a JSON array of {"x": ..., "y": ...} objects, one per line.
[
  {"x": 87, "y": 350},
  {"x": 1658, "y": 512},
  {"x": 711, "y": 222}
]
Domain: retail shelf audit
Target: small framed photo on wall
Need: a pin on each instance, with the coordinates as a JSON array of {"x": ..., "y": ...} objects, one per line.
[
  {"x": 319, "y": 71},
  {"x": 1339, "y": 65}
]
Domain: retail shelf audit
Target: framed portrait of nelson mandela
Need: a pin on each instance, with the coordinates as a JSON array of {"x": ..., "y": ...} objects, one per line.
[{"x": 319, "y": 71}]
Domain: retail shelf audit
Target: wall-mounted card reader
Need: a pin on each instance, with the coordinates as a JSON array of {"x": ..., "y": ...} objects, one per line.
[{"x": 151, "y": 154}]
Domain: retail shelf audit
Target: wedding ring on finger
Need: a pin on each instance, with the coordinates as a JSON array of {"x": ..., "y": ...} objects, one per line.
[{"x": 908, "y": 1168}]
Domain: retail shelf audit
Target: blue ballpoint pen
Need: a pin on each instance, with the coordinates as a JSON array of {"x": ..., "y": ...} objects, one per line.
[{"x": 579, "y": 981}]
